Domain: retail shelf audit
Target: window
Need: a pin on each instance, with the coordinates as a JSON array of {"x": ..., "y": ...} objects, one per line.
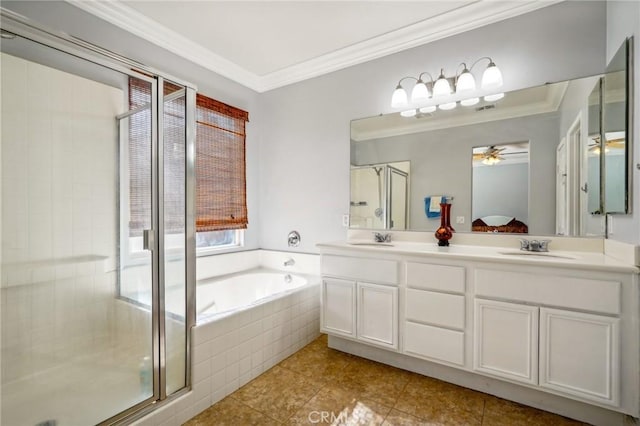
[
  {"x": 221, "y": 201},
  {"x": 221, "y": 208}
]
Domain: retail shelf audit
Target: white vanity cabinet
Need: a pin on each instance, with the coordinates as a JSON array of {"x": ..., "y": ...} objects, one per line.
[
  {"x": 360, "y": 299},
  {"x": 338, "y": 315},
  {"x": 560, "y": 348},
  {"x": 506, "y": 340},
  {"x": 434, "y": 317},
  {"x": 558, "y": 335},
  {"x": 579, "y": 354}
]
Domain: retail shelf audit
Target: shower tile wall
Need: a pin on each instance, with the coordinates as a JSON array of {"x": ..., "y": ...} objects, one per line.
[{"x": 59, "y": 217}]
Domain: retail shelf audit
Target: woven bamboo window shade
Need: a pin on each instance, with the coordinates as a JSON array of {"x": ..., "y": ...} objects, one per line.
[
  {"x": 221, "y": 195},
  {"x": 220, "y": 163}
]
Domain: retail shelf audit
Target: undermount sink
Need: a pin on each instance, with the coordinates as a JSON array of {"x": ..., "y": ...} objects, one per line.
[
  {"x": 536, "y": 253},
  {"x": 364, "y": 243}
]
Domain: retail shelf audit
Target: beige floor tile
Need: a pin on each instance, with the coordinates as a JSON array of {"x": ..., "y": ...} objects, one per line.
[
  {"x": 230, "y": 412},
  {"x": 398, "y": 418},
  {"x": 375, "y": 381},
  {"x": 278, "y": 393},
  {"x": 335, "y": 405},
  {"x": 318, "y": 361},
  {"x": 318, "y": 385}
]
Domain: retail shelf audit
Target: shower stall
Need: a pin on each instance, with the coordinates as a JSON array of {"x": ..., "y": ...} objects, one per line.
[
  {"x": 97, "y": 193},
  {"x": 380, "y": 196}
]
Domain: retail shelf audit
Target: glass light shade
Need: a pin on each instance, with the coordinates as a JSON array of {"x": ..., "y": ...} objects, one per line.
[
  {"x": 447, "y": 106},
  {"x": 441, "y": 87},
  {"x": 490, "y": 161},
  {"x": 420, "y": 92},
  {"x": 469, "y": 102},
  {"x": 428, "y": 109},
  {"x": 494, "y": 97},
  {"x": 465, "y": 82},
  {"x": 399, "y": 98},
  {"x": 492, "y": 77},
  {"x": 408, "y": 113}
]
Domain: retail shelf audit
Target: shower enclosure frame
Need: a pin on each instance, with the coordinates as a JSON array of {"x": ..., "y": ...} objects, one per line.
[{"x": 28, "y": 29}]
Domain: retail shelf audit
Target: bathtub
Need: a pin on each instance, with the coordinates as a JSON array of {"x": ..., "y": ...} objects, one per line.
[
  {"x": 219, "y": 296},
  {"x": 247, "y": 323}
]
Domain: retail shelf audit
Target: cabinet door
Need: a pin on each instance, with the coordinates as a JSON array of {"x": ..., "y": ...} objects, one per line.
[
  {"x": 378, "y": 314},
  {"x": 506, "y": 340},
  {"x": 579, "y": 355},
  {"x": 338, "y": 312}
]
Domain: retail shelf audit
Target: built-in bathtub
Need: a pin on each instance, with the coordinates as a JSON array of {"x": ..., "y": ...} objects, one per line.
[
  {"x": 250, "y": 316},
  {"x": 217, "y": 297}
]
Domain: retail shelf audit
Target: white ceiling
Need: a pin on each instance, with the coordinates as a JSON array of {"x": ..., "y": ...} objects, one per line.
[{"x": 268, "y": 44}]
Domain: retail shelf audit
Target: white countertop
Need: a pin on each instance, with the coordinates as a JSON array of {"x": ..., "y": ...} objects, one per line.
[{"x": 507, "y": 255}]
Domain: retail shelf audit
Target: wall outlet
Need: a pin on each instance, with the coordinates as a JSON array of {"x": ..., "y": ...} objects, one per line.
[
  {"x": 459, "y": 219},
  {"x": 345, "y": 220}
]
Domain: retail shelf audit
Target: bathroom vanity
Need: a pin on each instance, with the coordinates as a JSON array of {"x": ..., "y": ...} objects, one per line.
[{"x": 558, "y": 330}]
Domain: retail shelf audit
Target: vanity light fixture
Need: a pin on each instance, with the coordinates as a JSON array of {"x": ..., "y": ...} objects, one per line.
[{"x": 443, "y": 86}]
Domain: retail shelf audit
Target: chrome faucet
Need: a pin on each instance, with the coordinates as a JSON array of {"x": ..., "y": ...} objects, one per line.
[
  {"x": 534, "y": 245},
  {"x": 381, "y": 238},
  {"x": 289, "y": 262}
]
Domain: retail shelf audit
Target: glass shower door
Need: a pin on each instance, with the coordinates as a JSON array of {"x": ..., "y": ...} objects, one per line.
[{"x": 73, "y": 352}]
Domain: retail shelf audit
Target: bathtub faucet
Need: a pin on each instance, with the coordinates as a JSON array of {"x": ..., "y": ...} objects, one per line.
[{"x": 289, "y": 262}]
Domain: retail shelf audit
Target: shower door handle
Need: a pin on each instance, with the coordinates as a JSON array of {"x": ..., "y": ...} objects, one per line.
[{"x": 148, "y": 239}]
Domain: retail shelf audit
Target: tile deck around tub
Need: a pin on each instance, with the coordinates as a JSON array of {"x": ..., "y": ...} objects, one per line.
[{"x": 319, "y": 385}]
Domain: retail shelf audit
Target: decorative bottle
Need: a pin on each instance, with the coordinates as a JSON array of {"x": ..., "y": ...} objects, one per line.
[{"x": 445, "y": 231}]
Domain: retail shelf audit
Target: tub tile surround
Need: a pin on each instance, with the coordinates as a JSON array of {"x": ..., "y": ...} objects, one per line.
[{"x": 229, "y": 352}]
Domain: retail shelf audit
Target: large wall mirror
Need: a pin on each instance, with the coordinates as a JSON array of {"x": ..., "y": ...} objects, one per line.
[{"x": 550, "y": 178}]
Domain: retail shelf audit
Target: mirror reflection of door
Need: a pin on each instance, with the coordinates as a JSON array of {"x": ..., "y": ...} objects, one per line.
[
  {"x": 398, "y": 199},
  {"x": 379, "y": 196},
  {"x": 500, "y": 189},
  {"x": 562, "y": 194}
]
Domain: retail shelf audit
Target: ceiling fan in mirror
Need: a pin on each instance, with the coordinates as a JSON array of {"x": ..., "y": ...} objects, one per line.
[
  {"x": 615, "y": 141},
  {"x": 489, "y": 156}
]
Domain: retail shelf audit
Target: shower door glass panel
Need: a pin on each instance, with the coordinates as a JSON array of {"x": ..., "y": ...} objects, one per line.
[
  {"x": 73, "y": 352},
  {"x": 174, "y": 172}
]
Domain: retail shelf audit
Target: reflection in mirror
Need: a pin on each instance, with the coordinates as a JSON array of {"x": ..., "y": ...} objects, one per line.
[
  {"x": 379, "y": 196},
  {"x": 563, "y": 184},
  {"x": 594, "y": 147},
  {"x": 500, "y": 188},
  {"x": 617, "y": 153}
]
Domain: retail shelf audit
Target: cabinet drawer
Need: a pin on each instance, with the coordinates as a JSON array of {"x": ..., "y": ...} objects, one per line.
[
  {"x": 568, "y": 292},
  {"x": 434, "y": 343},
  {"x": 375, "y": 270},
  {"x": 440, "y": 309},
  {"x": 435, "y": 277}
]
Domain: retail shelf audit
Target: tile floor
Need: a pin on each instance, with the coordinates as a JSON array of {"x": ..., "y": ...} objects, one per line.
[{"x": 319, "y": 385}]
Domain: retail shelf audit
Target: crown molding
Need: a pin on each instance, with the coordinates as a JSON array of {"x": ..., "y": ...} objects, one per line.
[
  {"x": 464, "y": 18},
  {"x": 140, "y": 25}
]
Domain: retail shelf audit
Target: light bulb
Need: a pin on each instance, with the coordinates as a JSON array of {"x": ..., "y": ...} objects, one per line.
[
  {"x": 420, "y": 92},
  {"x": 494, "y": 97},
  {"x": 441, "y": 87},
  {"x": 469, "y": 102},
  {"x": 428, "y": 109},
  {"x": 408, "y": 113},
  {"x": 447, "y": 106},
  {"x": 492, "y": 77},
  {"x": 465, "y": 81},
  {"x": 399, "y": 98}
]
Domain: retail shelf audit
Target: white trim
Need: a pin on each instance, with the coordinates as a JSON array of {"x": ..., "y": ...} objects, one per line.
[{"x": 464, "y": 18}]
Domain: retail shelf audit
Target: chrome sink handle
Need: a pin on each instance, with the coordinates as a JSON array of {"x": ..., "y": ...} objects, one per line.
[
  {"x": 381, "y": 238},
  {"x": 534, "y": 245}
]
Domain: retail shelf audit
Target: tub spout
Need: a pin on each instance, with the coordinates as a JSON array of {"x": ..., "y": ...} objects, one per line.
[{"x": 289, "y": 262}]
